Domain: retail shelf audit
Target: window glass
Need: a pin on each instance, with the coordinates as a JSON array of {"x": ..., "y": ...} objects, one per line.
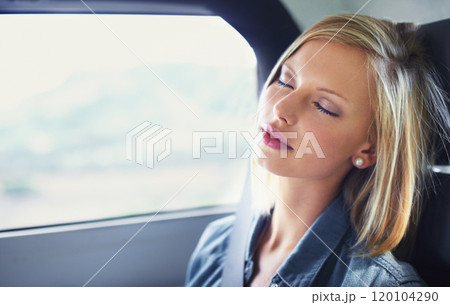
[{"x": 100, "y": 115}]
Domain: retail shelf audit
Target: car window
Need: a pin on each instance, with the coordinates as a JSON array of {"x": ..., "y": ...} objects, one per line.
[{"x": 115, "y": 115}]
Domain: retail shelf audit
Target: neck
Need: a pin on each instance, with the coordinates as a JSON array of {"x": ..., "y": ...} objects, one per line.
[{"x": 299, "y": 203}]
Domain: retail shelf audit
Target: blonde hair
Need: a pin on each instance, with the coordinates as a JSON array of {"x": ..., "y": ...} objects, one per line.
[{"x": 410, "y": 111}]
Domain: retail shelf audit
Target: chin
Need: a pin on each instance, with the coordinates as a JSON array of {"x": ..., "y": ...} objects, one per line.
[
  {"x": 276, "y": 167},
  {"x": 286, "y": 168}
]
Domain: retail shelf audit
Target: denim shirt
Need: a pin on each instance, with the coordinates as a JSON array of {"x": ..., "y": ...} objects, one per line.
[{"x": 324, "y": 256}]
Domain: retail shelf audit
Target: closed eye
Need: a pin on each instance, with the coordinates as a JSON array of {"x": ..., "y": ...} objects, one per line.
[
  {"x": 326, "y": 111},
  {"x": 282, "y": 84}
]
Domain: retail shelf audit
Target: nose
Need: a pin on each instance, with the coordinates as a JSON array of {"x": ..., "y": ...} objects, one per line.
[{"x": 285, "y": 110}]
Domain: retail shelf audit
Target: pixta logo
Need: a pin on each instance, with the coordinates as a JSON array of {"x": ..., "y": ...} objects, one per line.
[
  {"x": 307, "y": 144},
  {"x": 141, "y": 141}
]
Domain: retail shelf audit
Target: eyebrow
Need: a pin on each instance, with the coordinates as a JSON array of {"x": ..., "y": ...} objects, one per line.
[{"x": 286, "y": 66}]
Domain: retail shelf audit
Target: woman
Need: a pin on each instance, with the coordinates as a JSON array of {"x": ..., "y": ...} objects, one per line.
[{"x": 361, "y": 93}]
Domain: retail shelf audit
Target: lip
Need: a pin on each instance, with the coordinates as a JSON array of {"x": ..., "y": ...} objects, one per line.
[{"x": 274, "y": 138}]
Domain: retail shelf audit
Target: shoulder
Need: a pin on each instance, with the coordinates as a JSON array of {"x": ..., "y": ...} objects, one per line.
[
  {"x": 216, "y": 234},
  {"x": 394, "y": 272},
  {"x": 206, "y": 263},
  {"x": 382, "y": 270}
]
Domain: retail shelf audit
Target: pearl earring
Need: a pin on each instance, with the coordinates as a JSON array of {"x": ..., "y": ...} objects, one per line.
[{"x": 359, "y": 161}]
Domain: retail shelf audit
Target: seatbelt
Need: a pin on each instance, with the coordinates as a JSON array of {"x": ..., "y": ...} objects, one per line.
[{"x": 233, "y": 270}]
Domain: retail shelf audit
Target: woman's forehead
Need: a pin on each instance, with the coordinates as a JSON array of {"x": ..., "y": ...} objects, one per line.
[
  {"x": 326, "y": 52},
  {"x": 339, "y": 67}
]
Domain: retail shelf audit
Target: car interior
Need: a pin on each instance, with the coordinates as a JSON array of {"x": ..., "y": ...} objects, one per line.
[{"x": 153, "y": 248}]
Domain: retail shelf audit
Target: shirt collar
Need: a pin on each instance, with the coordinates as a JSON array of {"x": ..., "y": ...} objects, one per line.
[{"x": 312, "y": 250}]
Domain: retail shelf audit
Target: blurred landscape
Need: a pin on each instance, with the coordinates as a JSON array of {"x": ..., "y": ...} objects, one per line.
[{"x": 62, "y": 157}]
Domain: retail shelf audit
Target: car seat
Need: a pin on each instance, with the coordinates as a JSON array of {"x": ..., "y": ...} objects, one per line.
[{"x": 429, "y": 250}]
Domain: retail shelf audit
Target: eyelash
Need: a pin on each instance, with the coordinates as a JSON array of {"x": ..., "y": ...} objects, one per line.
[
  {"x": 321, "y": 109},
  {"x": 282, "y": 84},
  {"x": 316, "y": 104}
]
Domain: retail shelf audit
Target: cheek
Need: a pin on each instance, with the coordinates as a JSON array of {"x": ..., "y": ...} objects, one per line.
[
  {"x": 327, "y": 134},
  {"x": 310, "y": 165},
  {"x": 333, "y": 143},
  {"x": 340, "y": 142},
  {"x": 336, "y": 143},
  {"x": 330, "y": 143}
]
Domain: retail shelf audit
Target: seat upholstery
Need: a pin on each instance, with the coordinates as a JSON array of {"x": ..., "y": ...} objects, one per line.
[
  {"x": 430, "y": 253},
  {"x": 437, "y": 44}
]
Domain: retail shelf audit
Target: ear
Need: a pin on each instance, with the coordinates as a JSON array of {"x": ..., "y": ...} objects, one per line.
[{"x": 365, "y": 157}]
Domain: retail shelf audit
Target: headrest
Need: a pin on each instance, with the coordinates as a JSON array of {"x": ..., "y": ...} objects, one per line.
[
  {"x": 437, "y": 44},
  {"x": 430, "y": 255}
]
